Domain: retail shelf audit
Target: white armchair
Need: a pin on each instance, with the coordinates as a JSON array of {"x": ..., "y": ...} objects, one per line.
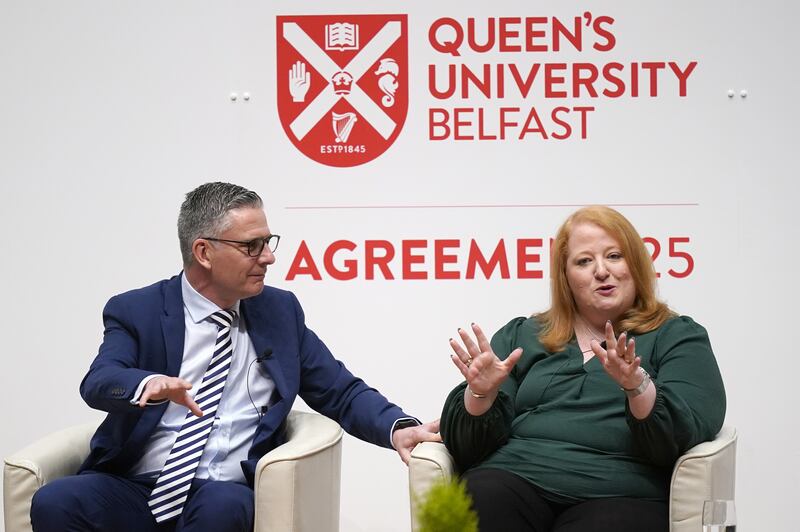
[
  {"x": 707, "y": 471},
  {"x": 306, "y": 471}
]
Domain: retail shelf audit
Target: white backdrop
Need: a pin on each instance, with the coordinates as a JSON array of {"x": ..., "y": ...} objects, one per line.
[{"x": 111, "y": 111}]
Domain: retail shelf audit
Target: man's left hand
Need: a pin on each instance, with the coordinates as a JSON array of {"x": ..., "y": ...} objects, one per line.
[{"x": 404, "y": 440}]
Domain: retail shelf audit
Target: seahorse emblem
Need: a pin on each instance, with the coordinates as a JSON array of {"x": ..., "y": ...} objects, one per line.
[{"x": 388, "y": 71}]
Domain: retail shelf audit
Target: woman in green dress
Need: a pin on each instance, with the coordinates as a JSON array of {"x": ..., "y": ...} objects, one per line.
[{"x": 572, "y": 419}]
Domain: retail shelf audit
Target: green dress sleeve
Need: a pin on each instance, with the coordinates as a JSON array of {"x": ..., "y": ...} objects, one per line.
[
  {"x": 690, "y": 397},
  {"x": 470, "y": 439}
]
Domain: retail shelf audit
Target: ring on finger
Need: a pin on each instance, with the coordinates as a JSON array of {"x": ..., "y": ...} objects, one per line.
[{"x": 469, "y": 362}]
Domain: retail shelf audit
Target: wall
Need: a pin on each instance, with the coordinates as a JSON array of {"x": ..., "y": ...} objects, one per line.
[{"x": 111, "y": 111}]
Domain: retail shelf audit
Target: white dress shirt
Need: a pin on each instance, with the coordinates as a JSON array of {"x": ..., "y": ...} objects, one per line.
[{"x": 236, "y": 417}]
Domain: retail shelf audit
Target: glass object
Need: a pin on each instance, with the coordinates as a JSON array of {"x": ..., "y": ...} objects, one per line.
[{"x": 719, "y": 516}]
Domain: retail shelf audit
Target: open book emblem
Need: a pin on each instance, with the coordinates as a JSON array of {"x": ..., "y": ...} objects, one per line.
[
  {"x": 342, "y": 84},
  {"x": 341, "y": 36}
]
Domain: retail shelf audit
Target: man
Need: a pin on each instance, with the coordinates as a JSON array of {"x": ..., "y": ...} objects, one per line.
[{"x": 188, "y": 418}]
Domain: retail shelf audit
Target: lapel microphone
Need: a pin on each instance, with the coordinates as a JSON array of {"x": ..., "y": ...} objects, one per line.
[
  {"x": 265, "y": 355},
  {"x": 260, "y": 358}
]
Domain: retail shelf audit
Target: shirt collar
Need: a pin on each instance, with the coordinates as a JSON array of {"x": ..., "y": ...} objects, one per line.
[{"x": 197, "y": 305}]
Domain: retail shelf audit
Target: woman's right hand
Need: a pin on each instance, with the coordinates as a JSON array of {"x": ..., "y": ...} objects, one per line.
[{"x": 482, "y": 369}]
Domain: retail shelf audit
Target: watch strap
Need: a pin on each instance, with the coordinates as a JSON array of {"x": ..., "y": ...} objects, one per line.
[{"x": 639, "y": 390}]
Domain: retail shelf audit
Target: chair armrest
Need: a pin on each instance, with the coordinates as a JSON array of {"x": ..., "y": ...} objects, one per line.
[
  {"x": 707, "y": 471},
  {"x": 297, "y": 485},
  {"x": 54, "y": 456},
  {"x": 430, "y": 463}
]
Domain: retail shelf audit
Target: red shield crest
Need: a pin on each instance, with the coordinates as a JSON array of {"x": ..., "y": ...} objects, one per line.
[{"x": 342, "y": 84}]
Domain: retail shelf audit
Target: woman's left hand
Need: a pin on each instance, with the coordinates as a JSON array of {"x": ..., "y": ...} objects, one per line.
[{"x": 619, "y": 358}]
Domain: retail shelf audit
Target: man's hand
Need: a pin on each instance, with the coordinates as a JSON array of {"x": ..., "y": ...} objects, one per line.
[
  {"x": 171, "y": 388},
  {"x": 404, "y": 440}
]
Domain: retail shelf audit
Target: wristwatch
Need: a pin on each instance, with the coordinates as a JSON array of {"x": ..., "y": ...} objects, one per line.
[
  {"x": 639, "y": 390},
  {"x": 404, "y": 423}
]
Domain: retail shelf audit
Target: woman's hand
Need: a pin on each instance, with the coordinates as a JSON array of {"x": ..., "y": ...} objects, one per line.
[
  {"x": 621, "y": 364},
  {"x": 482, "y": 369},
  {"x": 619, "y": 358}
]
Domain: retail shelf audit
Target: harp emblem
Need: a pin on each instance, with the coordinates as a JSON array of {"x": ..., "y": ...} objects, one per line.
[{"x": 343, "y": 125}]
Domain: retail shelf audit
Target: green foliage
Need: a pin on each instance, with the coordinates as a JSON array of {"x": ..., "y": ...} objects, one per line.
[{"x": 447, "y": 508}]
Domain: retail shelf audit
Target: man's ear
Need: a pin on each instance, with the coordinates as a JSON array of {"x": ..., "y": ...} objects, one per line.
[{"x": 202, "y": 252}]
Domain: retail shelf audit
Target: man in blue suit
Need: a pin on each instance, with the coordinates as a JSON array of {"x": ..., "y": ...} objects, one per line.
[{"x": 199, "y": 372}]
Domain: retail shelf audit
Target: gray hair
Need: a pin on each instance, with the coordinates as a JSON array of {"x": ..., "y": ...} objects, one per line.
[{"x": 204, "y": 212}]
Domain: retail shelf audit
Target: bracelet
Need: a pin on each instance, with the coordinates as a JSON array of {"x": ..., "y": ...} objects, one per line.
[
  {"x": 639, "y": 390},
  {"x": 476, "y": 395}
]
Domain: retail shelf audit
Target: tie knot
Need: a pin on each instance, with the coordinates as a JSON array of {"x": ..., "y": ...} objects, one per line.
[{"x": 223, "y": 318}]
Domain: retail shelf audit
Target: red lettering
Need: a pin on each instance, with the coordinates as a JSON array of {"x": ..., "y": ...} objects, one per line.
[
  {"x": 685, "y": 255},
  {"x": 484, "y": 85},
  {"x": 500, "y": 80},
  {"x": 476, "y": 258},
  {"x": 583, "y": 111},
  {"x": 524, "y": 86},
  {"x": 532, "y": 34},
  {"x": 587, "y": 81},
  {"x": 446, "y": 47},
  {"x": 441, "y": 258},
  {"x": 682, "y": 75},
  {"x": 489, "y": 44},
  {"x": 504, "y": 124},
  {"x": 458, "y": 123},
  {"x": 351, "y": 265},
  {"x": 341, "y": 264},
  {"x": 482, "y": 135},
  {"x": 610, "y": 39},
  {"x": 533, "y": 115},
  {"x": 432, "y": 123},
  {"x": 409, "y": 259},
  {"x": 551, "y": 79},
  {"x": 565, "y": 125},
  {"x": 574, "y": 38},
  {"x": 506, "y": 33},
  {"x": 451, "y": 82},
  {"x": 524, "y": 258},
  {"x": 371, "y": 259},
  {"x": 614, "y": 80},
  {"x": 303, "y": 264},
  {"x": 653, "y": 67}
]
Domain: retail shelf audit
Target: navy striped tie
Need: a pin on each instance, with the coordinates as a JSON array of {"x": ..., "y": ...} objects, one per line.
[{"x": 172, "y": 487}]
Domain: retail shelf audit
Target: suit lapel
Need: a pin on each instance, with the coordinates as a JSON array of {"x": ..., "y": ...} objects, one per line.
[
  {"x": 264, "y": 335},
  {"x": 172, "y": 328},
  {"x": 173, "y": 325}
]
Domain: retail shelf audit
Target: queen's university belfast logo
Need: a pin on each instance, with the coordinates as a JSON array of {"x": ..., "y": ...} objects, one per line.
[{"x": 342, "y": 84}]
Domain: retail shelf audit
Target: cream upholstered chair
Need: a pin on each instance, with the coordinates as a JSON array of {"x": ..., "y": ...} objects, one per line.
[
  {"x": 707, "y": 471},
  {"x": 302, "y": 474}
]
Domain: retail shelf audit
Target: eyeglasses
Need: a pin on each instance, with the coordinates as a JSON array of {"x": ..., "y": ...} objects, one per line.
[{"x": 254, "y": 247}]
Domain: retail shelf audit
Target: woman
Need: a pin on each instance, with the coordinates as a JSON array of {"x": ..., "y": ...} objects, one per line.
[{"x": 566, "y": 422}]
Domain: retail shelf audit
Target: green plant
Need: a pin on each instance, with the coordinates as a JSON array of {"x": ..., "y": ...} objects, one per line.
[{"x": 447, "y": 507}]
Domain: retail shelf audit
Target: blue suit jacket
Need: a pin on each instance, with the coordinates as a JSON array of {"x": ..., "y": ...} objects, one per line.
[{"x": 144, "y": 333}]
